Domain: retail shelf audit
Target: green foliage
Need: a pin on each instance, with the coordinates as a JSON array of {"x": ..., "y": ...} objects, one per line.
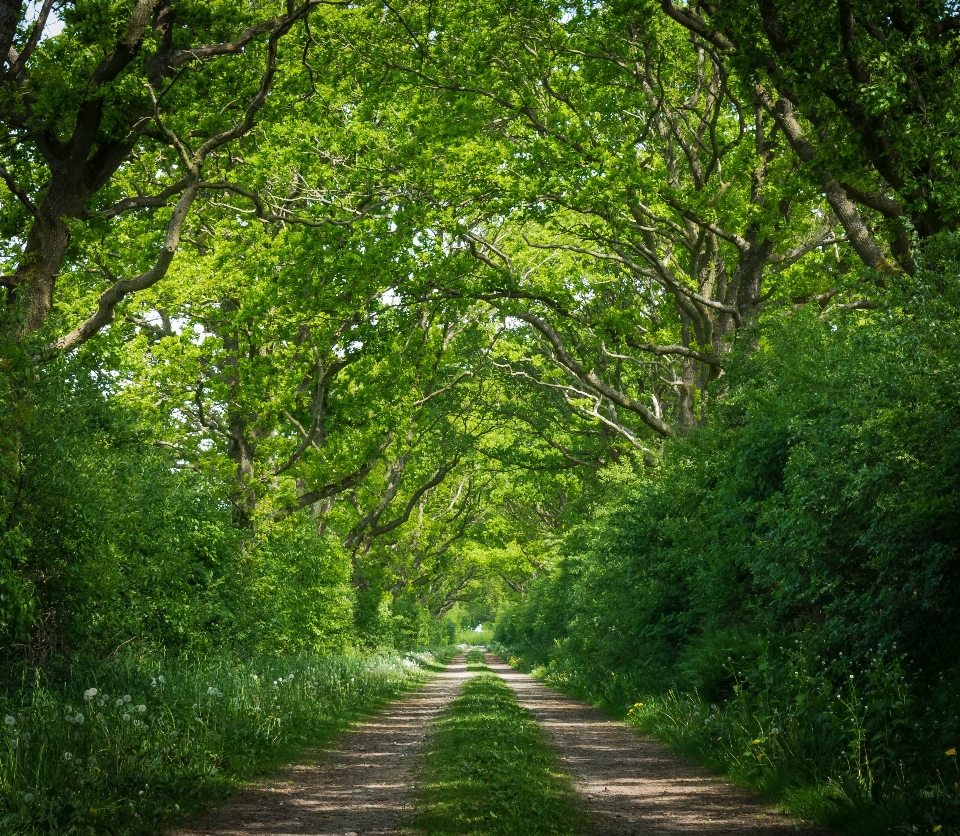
[
  {"x": 793, "y": 567},
  {"x": 490, "y": 771},
  {"x": 105, "y": 540},
  {"x": 133, "y": 745},
  {"x": 295, "y": 594}
]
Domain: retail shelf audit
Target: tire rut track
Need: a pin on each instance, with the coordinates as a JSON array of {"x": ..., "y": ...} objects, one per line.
[
  {"x": 365, "y": 786},
  {"x": 631, "y": 784}
]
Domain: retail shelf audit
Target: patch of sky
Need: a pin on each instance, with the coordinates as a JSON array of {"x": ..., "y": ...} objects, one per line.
[
  {"x": 390, "y": 298},
  {"x": 54, "y": 24}
]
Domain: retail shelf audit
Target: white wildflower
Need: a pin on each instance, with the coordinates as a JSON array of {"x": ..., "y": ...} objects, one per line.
[
  {"x": 68, "y": 756},
  {"x": 89, "y": 694}
]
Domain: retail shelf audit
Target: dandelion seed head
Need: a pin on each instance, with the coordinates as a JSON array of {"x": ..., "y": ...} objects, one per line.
[
  {"x": 10, "y": 720},
  {"x": 161, "y": 679},
  {"x": 89, "y": 694},
  {"x": 68, "y": 756},
  {"x": 28, "y": 797},
  {"x": 141, "y": 708},
  {"x": 125, "y": 718},
  {"x": 127, "y": 698}
]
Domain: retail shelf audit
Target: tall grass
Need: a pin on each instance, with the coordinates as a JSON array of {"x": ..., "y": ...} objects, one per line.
[
  {"x": 840, "y": 742},
  {"x": 131, "y": 746}
]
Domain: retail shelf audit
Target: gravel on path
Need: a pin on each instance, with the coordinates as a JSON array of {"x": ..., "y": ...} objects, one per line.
[
  {"x": 364, "y": 788},
  {"x": 631, "y": 784}
]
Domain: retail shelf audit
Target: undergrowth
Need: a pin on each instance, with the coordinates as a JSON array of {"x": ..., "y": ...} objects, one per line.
[
  {"x": 490, "y": 771},
  {"x": 787, "y": 750},
  {"x": 132, "y": 746}
]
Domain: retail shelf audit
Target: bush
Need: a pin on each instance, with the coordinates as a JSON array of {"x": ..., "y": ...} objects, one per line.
[{"x": 782, "y": 595}]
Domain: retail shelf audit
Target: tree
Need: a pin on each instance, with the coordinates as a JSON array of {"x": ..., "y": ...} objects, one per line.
[
  {"x": 93, "y": 139},
  {"x": 632, "y": 201},
  {"x": 865, "y": 91}
]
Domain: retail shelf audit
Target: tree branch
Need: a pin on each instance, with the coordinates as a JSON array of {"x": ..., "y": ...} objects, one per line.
[{"x": 18, "y": 192}]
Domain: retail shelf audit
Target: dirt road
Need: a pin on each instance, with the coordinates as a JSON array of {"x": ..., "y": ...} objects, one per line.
[{"x": 629, "y": 783}]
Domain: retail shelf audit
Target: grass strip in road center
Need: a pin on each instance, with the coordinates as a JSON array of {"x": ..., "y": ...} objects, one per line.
[{"x": 490, "y": 771}]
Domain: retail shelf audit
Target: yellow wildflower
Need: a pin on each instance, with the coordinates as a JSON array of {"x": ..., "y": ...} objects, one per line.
[
  {"x": 937, "y": 828},
  {"x": 756, "y": 741},
  {"x": 93, "y": 811},
  {"x": 951, "y": 753}
]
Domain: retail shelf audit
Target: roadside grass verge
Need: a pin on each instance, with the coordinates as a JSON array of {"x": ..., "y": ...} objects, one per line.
[
  {"x": 755, "y": 742},
  {"x": 490, "y": 771},
  {"x": 130, "y": 747}
]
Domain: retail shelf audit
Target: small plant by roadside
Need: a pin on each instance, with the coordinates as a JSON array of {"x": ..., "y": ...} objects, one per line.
[
  {"x": 490, "y": 770},
  {"x": 131, "y": 747}
]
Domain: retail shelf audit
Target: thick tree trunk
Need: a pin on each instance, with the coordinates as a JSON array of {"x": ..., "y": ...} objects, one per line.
[{"x": 35, "y": 280}]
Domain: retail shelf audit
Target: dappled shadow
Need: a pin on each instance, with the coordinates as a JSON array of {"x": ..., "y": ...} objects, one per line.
[
  {"x": 631, "y": 783},
  {"x": 366, "y": 787}
]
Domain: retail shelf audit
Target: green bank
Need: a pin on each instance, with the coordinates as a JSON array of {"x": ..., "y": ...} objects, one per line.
[{"x": 489, "y": 770}]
